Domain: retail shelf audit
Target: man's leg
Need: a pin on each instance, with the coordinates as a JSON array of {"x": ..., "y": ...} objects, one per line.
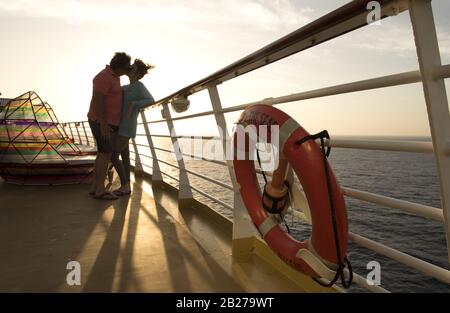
[
  {"x": 104, "y": 151},
  {"x": 101, "y": 166},
  {"x": 94, "y": 184}
]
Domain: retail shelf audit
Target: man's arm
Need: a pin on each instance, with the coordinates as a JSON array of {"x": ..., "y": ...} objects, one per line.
[{"x": 99, "y": 105}]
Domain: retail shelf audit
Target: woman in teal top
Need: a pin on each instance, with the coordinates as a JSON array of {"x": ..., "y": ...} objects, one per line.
[{"x": 135, "y": 98}]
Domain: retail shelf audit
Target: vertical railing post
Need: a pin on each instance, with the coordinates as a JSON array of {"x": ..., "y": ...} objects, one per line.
[
  {"x": 422, "y": 20},
  {"x": 185, "y": 193},
  {"x": 243, "y": 229},
  {"x": 85, "y": 133},
  {"x": 156, "y": 172},
  {"x": 137, "y": 159},
  {"x": 78, "y": 132},
  {"x": 71, "y": 132}
]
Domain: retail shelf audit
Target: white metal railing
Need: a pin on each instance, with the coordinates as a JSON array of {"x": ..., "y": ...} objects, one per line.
[{"x": 347, "y": 18}]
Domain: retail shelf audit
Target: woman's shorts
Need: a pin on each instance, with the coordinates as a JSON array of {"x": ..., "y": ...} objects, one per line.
[{"x": 121, "y": 143}]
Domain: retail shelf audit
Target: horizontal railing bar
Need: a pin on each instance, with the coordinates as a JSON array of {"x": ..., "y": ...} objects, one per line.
[
  {"x": 68, "y": 123},
  {"x": 212, "y": 180},
  {"x": 212, "y": 198},
  {"x": 384, "y": 145},
  {"x": 347, "y": 18},
  {"x": 161, "y": 136},
  {"x": 143, "y": 164},
  {"x": 362, "y": 85},
  {"x": 191, "y": 156},
  {"x": 409, "y": 207},
  {"x": 181, "y": 117},
  {"x": 199, "y": 191},
  {"x": 200, "y": 137},
  {"x": 429, "y": 269},
  {"x": 362, "y": 282},
  {"x": 442, "y": 71},
  {"x": 195, "y": 157},
  {"x": 142, "y": 155},
  {"x": 167, "y": 163},
  {"x": 183, "y": 137},
  {"x": 170, "y": 176},
  {"x": 162, "y": 149},
  {"x": 139, "y": 145}
]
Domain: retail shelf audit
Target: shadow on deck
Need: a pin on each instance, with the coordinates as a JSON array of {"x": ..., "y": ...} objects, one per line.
[{"x": 139, "y": 243}]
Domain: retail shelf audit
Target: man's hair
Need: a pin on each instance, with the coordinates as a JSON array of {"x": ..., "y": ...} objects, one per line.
[
  {"x": 120, "y": 60},
  {"x": 142, "y": 68}
]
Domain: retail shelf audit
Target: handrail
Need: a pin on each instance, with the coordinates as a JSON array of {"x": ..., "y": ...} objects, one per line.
[
  {"x": 406, "y": 206},
  {"x": 347, "y": 18},
  {"x": 384, "y": 145},
  {"x": 212, "y": 198},
  {"x": 362, "y": 85},
  {"x": 432, "y": 270}
]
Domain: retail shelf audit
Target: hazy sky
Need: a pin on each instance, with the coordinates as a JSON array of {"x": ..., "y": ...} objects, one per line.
[{"x": 55, "y": 48}]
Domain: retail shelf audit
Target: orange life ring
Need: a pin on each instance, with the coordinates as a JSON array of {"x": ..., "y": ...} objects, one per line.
[{"x": 318, "y": 255}]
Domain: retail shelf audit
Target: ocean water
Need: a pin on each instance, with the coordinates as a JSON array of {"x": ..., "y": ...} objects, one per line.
[{"x": 406, "y": 176}]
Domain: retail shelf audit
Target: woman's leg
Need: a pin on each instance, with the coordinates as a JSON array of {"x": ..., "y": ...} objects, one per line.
[
  {"x": 121, "y": 143},
  {"x": 118, "y": 165},
  {"x": 125, "y": 154}
]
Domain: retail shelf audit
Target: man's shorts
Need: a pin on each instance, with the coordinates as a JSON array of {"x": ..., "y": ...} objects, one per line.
[{"x": 104, "y": 145}]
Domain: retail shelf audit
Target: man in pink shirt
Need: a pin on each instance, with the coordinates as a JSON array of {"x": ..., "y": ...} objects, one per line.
[{"x": 104, "y": 118}]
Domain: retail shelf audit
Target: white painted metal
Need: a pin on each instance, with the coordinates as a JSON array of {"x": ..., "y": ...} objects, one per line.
[
  {"x": 435, "y": 97},
  {"x": 429, "y": 269},
  {"x": 185, "y": 187},
  {"x": 85, "y": 133},
  {"x": 71, "y": 132},
  {"x": 385, "y": 145},
  {"x": 362, "y": 282},
  {"x": 170, "y": 176},
  {"x": 156, "y": 171},
  {"x": 226, "y": 205},
  {"x": 137, "y": 161},
  {"x": 242, "y": 225},
  {"x": 212, "y": 180},
  {"x": 78, "y": 132},
  {"x": 410, "y": 207},
  {"x": 192, "y": 156}
]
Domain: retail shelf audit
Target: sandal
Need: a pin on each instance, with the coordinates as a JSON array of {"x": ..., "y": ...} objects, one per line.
[
  {"x": 121, "y": 193},
  {"x": 106, "y": 196}
]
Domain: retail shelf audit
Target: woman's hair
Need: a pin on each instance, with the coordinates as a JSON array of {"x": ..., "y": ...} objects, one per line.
[
  {"x": 142, "y": 68},
  {"x": 120, "y": 60}
]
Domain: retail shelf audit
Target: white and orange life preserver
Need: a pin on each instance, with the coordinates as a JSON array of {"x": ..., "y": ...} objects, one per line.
[{"x": 316, "y": 256}]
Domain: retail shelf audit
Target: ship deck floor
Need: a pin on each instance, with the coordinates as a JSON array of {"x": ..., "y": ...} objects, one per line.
[{"x": 139, "y": 243}]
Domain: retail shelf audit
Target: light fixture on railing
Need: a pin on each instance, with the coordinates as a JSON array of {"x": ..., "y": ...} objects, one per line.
[{"x": 180, "y": 104}]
